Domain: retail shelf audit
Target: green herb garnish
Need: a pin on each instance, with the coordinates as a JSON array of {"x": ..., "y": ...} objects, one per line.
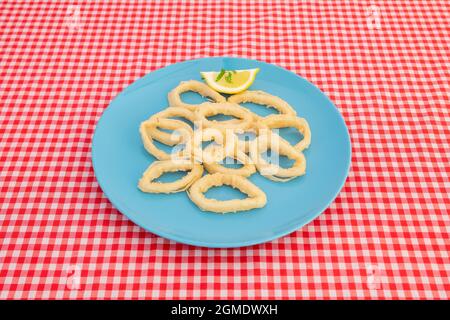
[
  {"x": 220, "y": 75},
  {"x": 228, "y": 77}
]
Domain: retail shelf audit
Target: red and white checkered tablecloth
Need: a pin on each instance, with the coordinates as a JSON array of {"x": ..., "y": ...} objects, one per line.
[{"x": 385, "y": 65}]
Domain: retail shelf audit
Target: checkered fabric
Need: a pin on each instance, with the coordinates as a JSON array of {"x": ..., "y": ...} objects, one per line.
[{"x": 385, "y": 65}]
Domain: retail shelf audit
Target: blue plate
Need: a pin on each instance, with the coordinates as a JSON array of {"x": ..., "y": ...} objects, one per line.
[{"x": 119, "y": 159}]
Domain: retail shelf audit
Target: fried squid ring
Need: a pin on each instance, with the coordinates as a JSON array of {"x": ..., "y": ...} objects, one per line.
[
  {"x": 263, "y": 98},
  {"x": 246, "y": 170},
  {"x": 158, "y": 168},
  {"x": 196, "y": 86},
  {"x": 165, "y": 137},
  {"x": 147, "y": 127},
  {"x": 282, "y": 147},
  {"x": 256, "y": 197},
  {"x": 283, "y": 121},
  {"x": 244, "y": 121}
]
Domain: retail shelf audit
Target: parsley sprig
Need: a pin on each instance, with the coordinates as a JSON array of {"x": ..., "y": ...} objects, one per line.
[
  {"x": 220, "y": 75},
  {"x": 228, "y": 75}
]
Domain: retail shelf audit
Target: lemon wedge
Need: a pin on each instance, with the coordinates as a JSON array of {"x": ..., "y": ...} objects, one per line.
[{"x": 230, "y": 81}]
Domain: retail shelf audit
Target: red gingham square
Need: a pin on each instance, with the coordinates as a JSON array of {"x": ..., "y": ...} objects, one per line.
[{"x": 384, "y": 63}]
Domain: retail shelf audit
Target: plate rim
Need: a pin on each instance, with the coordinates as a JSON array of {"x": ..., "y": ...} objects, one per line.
[{"x": 207, "y": 244}]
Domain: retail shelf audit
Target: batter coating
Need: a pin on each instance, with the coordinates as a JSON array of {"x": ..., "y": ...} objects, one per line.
[
  {"x": 147, "y": 127},
  {"x": 263, "y": 98},
  {"x": 277, "y": 121},
  {"x": 158, "y": 168},
  {"x": 272, "y": 171},
  {"x": 246, "y": 170},
  {"x": 196, "y": 86},
  {"x": 256, "y": 197},
  {"x": 244, "y": 121},
  {"x": 171, "y": 112}
]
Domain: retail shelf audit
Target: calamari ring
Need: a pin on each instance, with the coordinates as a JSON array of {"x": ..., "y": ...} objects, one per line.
[
  {"x": 168, "y": 138},
  {"x": 196, "y": 86},
  {"x": 244, "y": 121},
  {"x": 256, "y": 197},
  {"x": 263, "y": 98},
  {"x": 158, "y": 168},
  {"x": 275, "y": 172},
  {"x": 283, "y": 121},
  {"x": 246, "y": 170},
  {"x": 184, "y": 129}
]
